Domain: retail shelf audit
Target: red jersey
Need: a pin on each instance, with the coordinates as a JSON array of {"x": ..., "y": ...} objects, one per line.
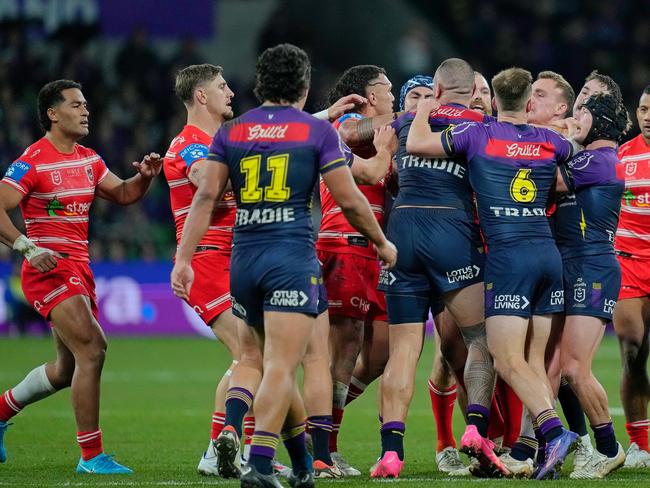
[
  {"x": 58, "y": 191},
  {"x": 187, "y": 147},
  {"x": 633, "y": 233},
  {"x": 336, "y": 234}
]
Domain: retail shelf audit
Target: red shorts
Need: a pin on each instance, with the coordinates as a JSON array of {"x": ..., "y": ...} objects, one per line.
[
  {"x": 635, "y": 277},
  {"x": 46, "y": 290},
  {"x": 351, "y": 283},
  {"x": 210, "y": 293}
]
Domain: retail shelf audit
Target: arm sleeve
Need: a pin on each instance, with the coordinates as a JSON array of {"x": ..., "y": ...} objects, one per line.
[
  {"x": 457, "y": 139},
  {"x": 21, "y": 176},
  {"x": 563, "y": 147},
  {"x": 586, "y": 170},
  {"x": 193, "y": 152},
  {"x": 331, "y": 151},
  {"x": 101, "y": 169},
  {"x": 217, "y": 150}
]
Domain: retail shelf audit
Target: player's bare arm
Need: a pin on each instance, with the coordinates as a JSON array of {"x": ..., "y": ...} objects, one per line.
[
  {"x": 371, "y": 171},
  {"x": 196, "y": 173},
  {"x": 126, "y": 192},
  {"x": 210, "y": 190},
  {"x": 421, "y": 140},
  {"x": 356, "y": 209},
  {"x": 355, "y": 132},
  {"x": 40, "y": 258}
]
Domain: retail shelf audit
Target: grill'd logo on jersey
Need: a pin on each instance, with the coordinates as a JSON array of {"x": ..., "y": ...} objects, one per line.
[
  {"x": 289, "y": 132},
  {"x": 288, "y": 298},
  {"x": 520, "y": 150}
]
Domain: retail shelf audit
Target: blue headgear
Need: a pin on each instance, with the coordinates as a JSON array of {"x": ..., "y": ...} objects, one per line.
[{"x": 417, "y": 80}]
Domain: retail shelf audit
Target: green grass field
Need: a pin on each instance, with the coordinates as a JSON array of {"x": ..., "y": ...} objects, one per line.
[{"x": 156, "y": 407}]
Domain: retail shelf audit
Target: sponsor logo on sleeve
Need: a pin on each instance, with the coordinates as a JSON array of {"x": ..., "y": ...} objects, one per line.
[
  {"x": 17, "y": 170},
  {"x": 194, "y": 152}
]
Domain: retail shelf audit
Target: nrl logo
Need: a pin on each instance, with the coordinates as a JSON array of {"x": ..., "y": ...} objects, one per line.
[
  {"x": 630, "y": 169},
  {"x": 56, "y": 177},
  {"x": 579, "y": 290}
]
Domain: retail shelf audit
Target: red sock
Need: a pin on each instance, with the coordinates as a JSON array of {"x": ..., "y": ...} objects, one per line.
[
  {"x": 90, "y": 443},
  {"x": 496, "y": 426},
  {"x": 353, "y": 393},
  {"x": 511, "y": 410},
  {"x": 442, "y": 404},
  {"x": 8, "y": 406},
  {"x": 337, "y": 418},
  {"x": 218, "y": 419},
  {"x": 249, "y": 429},
  {"x": 638, "y": 432}
]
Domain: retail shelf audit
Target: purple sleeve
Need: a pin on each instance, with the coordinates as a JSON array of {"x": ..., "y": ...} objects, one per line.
[
  {"x": 331, "y": 151},
  {"x": 401, "y": 121},
  {"x": 460, "y": 140},
  {"x": 563, "y": 148},
  {"x": 217, "y": 150},
  {"x": 587, "y": 169}
]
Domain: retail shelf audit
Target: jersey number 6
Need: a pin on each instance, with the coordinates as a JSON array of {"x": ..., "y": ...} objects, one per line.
[
  {"x": 522, "y": 188},
  {"x": 276, "y": 191}
]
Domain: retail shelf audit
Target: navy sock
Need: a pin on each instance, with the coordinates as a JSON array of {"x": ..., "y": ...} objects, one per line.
[
  {"x": 549, "y": 425},
  {"x": 573, "y": 412},
  {"x": 294, "y": 441},
  {"x": 320, "y": 428},
  {"x": 605, "y": 439},
  {"x": 479, "y": 416},
  {"x": 263, "y": 447},
  {"x": 392, "y": 438},
  {"x": 238, "y": 402},
  {"x": 524, "y": 448}
]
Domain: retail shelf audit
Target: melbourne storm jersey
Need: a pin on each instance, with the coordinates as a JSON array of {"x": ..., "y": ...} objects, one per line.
[
  {"x": 189, "y": 146},
  {"x": 633, "y": 234},
  {"x": 275, "y": 154},
  {"x": 439, "y": 182},
  {"x": 511, "y": 169},
  {"x": 587, "y": 216},
  {"x": 58, "y": 191}
]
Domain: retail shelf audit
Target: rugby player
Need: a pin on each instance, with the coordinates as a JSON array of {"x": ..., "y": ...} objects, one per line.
[
  {"x": 207, "y": 98},
  {"x": 585, "y": 225},
  {"x": 511, "y": 168},
  {"x": 55, "y": 181},
  {"x": 273, "y": 155},
  {"x": 434, "y": 204},
  {"x": 632, "y": 313},
  {"x": 350, "y": 267}
]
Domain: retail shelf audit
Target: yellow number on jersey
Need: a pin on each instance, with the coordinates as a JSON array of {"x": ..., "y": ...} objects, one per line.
[
  {"x": 522, "y": 187},
  {"x": 277, "y": 191}
]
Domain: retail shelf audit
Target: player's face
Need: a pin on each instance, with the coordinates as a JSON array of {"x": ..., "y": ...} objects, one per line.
[
  {"x": 379, "y": 93},
  {"x": 416, "y": 94},
  {"x": 481, "y": 98},
  {"x": 547, "y": 104},
  {"x": 219, "y": 97},
  {"x": 588, "y": 89},
  {"x": 71, "y": 115},
  {"x": 584, "y": 119},
  {"x": 643, "y": 116}
]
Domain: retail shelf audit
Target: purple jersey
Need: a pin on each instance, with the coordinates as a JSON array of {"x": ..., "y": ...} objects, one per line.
[
  {"x": 438, "y": 182},
  {"x": 587, "y": 216},
  {"x": 275, "y": 155},
  {"x": 511, "y": 169}
]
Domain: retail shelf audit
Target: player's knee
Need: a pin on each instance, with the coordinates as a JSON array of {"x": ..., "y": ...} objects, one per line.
[
  {"x": 634, "y": 356},
  {"x": 574, "y": 370}
]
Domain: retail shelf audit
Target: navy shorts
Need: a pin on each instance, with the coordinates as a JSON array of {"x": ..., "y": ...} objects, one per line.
[
  {"x": 591, "y": 285},
  {"x": 282, "y": 277},
  {"x": 438, "y": 251},
  {"x": 323, "y": 304},
  {"x": 524, "y": 279}
]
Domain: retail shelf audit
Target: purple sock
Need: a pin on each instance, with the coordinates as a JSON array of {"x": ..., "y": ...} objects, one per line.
[{"x": 479, "y": 416}]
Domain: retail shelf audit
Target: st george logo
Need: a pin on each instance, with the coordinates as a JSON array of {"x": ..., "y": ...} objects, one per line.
[
  {"x": 89, "y": 173},
  {"x": 56, "y": 177}
]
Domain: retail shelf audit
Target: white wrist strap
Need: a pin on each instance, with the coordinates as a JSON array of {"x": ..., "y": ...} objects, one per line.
[
  {"x": 322, "y": 115},
  {"x": 27, "y": 248}
]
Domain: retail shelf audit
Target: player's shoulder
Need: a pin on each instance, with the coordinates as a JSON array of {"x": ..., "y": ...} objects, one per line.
[
  {"x": 40, "y": 151},
  {"x": 632, "y": 147},
  {"x": 85, "y": 152},
  {"x": 455, "y": 114}
]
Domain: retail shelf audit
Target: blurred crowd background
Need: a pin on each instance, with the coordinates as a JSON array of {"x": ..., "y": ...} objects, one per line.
[{"x": 128, "y": 76}]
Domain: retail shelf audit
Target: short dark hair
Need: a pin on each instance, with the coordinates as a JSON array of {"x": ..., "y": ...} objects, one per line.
[
  {"x": 608, "y": 81},
  {"x": 49, "y": 96},
  {"x": 283, "y": 74},
  {"x": 646, "y": 90},
  {"x": 512, "y": 88},
  {"x": 189, "y": 78},
  {"x": 564, "y": 86},
  {"x": 354, "y": 80}
]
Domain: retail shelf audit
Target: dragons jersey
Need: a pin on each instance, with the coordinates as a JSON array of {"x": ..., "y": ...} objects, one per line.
[
  {"x": 336, "y": 234},
  {"x": 439, "y": 182},
  {"x": 58, "y": 191},
  {"x": 633, "y": 234},
  {"x": 511, "y": 169},
  {"x": 586, "y": 217},
  {"x": 187, "y": 147},
  {"x": 275, "y": 154}
]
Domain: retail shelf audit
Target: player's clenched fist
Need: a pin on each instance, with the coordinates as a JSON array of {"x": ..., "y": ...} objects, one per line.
[
  {"x": 387, "y": 254},
  {"x": 182, "y": 279}
]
